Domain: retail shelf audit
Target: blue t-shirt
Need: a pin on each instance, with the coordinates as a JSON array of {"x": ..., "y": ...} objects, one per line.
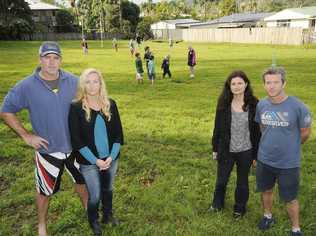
[
  {"x": 280, "y": 143},
  {"x": 48, "y": 110}
]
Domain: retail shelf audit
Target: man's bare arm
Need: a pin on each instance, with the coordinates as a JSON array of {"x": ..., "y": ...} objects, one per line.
[{"x": 305, "y": 133}]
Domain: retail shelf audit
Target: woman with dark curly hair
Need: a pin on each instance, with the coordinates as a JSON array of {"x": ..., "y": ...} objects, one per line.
[{"x": 235, "y": 140}]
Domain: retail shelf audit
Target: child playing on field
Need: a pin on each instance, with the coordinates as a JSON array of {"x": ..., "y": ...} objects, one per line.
[
  {"x": 131, "y": 46},
  {"x": 139, "y": 68},
  {"x": 114, "y": 44},
  {"x": 170, "y": 42},
  {"x": 84, "y": 45},
  {"x": 151, "y": 69},
  {"x": 165, "y": 66},
  {"x": 147, "y": 55}
]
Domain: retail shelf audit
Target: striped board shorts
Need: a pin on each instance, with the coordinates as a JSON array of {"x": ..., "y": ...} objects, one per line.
[{"x": 49, "y": 169}]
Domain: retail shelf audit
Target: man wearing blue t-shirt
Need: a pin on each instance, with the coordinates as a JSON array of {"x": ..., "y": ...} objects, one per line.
[
  {"x": 47, "y": 95},
  {"x": 285, "y": 124}
]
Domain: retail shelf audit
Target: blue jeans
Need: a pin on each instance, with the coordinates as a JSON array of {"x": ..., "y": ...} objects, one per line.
[{"x": 99, "y": 185}]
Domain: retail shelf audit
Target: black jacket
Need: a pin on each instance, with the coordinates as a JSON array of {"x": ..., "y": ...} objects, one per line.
[
  {"x": 165, "y": 64},
  {"x": 82, "y": 131},
  {"x": 221, "y": 133}
]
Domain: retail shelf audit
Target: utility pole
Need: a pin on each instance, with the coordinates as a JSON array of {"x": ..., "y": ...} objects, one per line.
[
  {"x": 237, "y": 6},
  {"x": 79, "y": 18},
  {"x": 120, "y": 9},
  {"x": 82, "y": 35},
  {"x": 101, "y": 26}
]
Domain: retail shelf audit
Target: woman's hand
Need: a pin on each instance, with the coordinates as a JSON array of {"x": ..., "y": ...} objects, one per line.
[
  {"x": 106, "y": 163},
  {"x": 254, "y": 164},
  {"x": 101, "y": 164},
  {"x": 214, "y": 155}
]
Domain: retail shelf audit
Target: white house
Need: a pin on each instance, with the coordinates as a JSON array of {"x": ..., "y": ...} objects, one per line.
[
  {"x": 171, "y": 28},
  {"x": 293, "y": 17},
  {"x": 173, "y": 24},
  {"x": 43, "y": 14}
]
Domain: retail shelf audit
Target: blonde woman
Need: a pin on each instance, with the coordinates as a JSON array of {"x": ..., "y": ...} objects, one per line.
[{"x": 96, "y": 136}]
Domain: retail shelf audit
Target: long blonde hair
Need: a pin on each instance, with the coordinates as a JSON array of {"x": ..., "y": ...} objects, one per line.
[{"x": 103, "y": 98}]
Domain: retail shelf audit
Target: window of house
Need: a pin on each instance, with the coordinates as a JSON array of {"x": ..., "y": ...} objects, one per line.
[{"x": 283, "y": 23}]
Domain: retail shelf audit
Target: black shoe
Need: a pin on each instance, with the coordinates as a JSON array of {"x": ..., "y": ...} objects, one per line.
[
  {"x": 265, "y": 223},
  {"x": 298, "y": 233},
  {"x": 96, "y": 229},
  {"x": 111, "y": 220}
]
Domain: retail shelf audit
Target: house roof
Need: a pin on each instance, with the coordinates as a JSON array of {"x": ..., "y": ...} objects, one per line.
[
  {"x": 181, "y": 21},
  {"x": 237, "y": 18},
  {"x": 293, "y": 13},
  {"x": 38, "y": 5}
]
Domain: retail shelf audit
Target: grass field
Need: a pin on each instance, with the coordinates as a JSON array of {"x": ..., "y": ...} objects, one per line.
[{"x": 166, "y": 176}]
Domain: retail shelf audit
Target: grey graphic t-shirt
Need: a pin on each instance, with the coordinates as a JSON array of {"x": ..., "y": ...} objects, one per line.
[{"x": 281, "y": 139}]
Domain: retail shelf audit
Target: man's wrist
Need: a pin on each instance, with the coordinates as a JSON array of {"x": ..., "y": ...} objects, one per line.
[{"x": 24, "y": 135}]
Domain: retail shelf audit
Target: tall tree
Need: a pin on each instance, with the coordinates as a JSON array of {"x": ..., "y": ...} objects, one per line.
[
  {"x": 65, "y": 21},
  {"x": 227, "y": 7},
  {"x": 130, "y": 12},
  {"x": 148, "y": 8},
  {"x": 207, "y": 9},
  {"x": 108, "y": 15},
  {"x": 15, "y": 19},
  {"x": 98, "y": 14},
  {"x": 143, "y": 28}
]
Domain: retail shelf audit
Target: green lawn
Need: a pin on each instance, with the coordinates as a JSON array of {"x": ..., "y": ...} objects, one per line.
[{"x": 166, "y": 176}]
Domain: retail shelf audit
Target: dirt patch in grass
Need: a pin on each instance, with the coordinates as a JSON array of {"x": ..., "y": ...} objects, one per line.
[
  {"x": 4, "y": 184},
  {"x": 5, "y": 160}
]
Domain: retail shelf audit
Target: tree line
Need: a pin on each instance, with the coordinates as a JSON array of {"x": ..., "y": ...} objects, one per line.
[
  {"x": 210, "y": 9},
  {"x": 127, "y": 18}
]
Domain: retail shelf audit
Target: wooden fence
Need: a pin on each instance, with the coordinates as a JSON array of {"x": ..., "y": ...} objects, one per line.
[
  {"x": 286, "y": 36},
  {"x": 309, "y": 36},
  {"x": 290, "y": 36},
  {"x": 165, "y": 34}
]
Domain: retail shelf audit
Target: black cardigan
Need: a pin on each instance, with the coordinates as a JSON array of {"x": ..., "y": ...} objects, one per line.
[
  {"x": 221, "y": 133},
  {"x": 82, "y": 131}
]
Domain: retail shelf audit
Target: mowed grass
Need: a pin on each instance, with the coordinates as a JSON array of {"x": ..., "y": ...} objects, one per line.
[{"x": 166, "y": 178}]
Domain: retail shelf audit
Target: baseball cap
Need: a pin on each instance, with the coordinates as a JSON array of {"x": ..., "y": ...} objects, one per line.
[{"x": 49, "y": 47}]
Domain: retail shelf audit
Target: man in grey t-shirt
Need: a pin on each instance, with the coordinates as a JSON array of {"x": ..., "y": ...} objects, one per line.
[{"x": 285, "y": 123}]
